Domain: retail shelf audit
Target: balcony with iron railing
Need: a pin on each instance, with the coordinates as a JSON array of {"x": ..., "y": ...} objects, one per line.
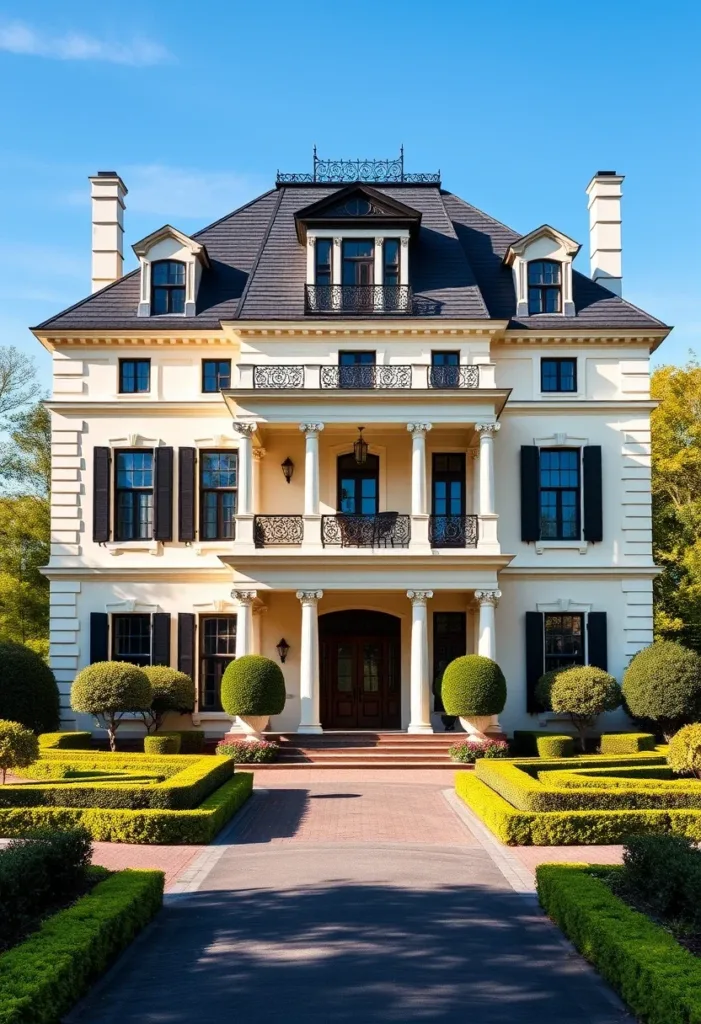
[
  {"x": 453, "y": 531},
  {"x": 364, "y": 376},
  {"x": 381, "y": 530},
  {"x": 361, "y": 299}
]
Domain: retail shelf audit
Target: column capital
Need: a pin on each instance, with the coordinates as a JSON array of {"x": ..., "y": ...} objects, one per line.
[
  {"x": 489, "y": 597},
  {"x": 246, "y": 597},
  {"x": 311, "y": 428},
  {"x": 419, "y": 596},
  {"x": 405, "y": 242},
  {"x": 311, "y": 241},
  {"x": 309, "y": 596},
  {"x": 337, "y": 242},
  {"x": 259, "y": 454},
  {"x": 379, "y": 242},
  {"x": 487, "y": 429},
  {"x": 419, "y": 429},
  {"x": 245, "y": 429}
]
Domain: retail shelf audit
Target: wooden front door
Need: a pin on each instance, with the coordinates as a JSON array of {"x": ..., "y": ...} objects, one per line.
[{"x": 360, "y": 677}]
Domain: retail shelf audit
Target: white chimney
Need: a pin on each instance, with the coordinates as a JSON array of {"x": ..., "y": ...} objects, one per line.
[
  {"x": 604, "y": 191},
  {"x": 107, "y": 191}
]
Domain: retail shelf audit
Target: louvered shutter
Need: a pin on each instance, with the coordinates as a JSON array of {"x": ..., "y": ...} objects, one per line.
[
  {"x": 186, "y": 643},
  {"x": 101, "y": 495},
  {"x": 535, "y": 657},
  {"x": 593, "y": 496},
  {"x": 163, "y": 524},
  {"x": 160, "y": 639},
  {"x": 530, "y": 492},
  {"x": 99, "y": 634},
  {"x": 597, "y": 640},
  {"x": 186, "y": 494}
]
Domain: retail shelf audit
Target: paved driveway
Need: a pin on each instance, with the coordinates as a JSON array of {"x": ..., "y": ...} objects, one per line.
[{"x": 318, "y": 908}]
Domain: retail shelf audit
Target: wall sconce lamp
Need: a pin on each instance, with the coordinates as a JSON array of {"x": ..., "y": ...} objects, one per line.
[
  {"x": 360, "y": 448},
  {"x": 282, "y": 649},
  {"x": 288, "y": 468}
]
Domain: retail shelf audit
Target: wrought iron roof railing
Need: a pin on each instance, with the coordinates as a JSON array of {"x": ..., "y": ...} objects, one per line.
[{"x": 378, "y": 172}]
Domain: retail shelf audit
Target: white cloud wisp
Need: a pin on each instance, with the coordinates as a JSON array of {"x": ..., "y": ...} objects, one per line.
[{"x": 20, "y": 38}]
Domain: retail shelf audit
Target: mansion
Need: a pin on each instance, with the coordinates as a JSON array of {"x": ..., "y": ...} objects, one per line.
[{"x": 360, "y": 427}]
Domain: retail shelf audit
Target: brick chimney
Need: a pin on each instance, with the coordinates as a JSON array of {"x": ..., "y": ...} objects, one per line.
[
  {"x": 604, "y": 191},
  {"x": 107, "y": 192}
]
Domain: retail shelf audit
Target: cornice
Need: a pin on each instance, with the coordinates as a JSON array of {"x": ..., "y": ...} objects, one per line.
[
  {"x": 598, "y": 572},
  {"x": 538, "y": 405},
  {"x": 349, "y": 559},
  {"x": 132, "y": 338},
  {"x": 136, "y": 574},
  {"x": 71, "y": 407},
  {"x": 648, "y": 336},
  {"x": 358, "y": 328}
]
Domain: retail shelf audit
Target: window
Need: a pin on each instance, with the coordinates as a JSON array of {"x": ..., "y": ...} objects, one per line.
[
  {"x": 358, "y": 485},
  {"x": 218, "y": 483},
  {"x": 564, "y": 641},
  {"x": 131, "y": 639},
  {"x": 323, "y": 261},
  {"x": 558, "y": 375},
  {"x": 356, "y": 369},
  {"x": 544, "y": 287},
  {"x": 445, "y": 372},
  {"x": 217, "y": 649},
  {"x": 559, "y": 494},
  {"x": 391, "y": 261},
  {"x": 134, "y": 376},
  {"x": 167, "y": 287},
  {"x": 134, "y": 496},
  {"x": 358, "y": 262},
  {"x": 216, "y": 374}
]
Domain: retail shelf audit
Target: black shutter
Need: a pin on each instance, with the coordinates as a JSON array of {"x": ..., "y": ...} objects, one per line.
[
  {"x": 535, "y": 657},
  {"x": 592, "y": 484},
  {"x": 597, "y": 640},
  {"x": 101, "y": 495},
  {"x": 160, "y": 639},
  {"x": 530, "y": 492},
  {"x": 186, "y": 494},
  {"x": 163, "y": 526},
  {"x": 99, "y": 626},
  {"x": 186, "y": 644}
]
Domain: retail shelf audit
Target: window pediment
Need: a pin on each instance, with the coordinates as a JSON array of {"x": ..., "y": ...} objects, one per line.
[
  {"x": 171, "y": 269},
  {"x": 541, "y": 262},
  {"x": 354, "y": 206}
]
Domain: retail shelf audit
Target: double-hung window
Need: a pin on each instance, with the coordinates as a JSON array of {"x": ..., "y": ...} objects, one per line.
[
  {"x": 217, "y": 649},
  {"x": 544, "y": 287},
  {"x": 218, "y": 491},
  {"x": 558, "y": 375},
  {"x": 134, "y": 495},
  {"x": 167, "y": 287},
  {"x": 134, "y": 376},
  {"x": 131, "y": 639},
  {"x": 564, "y": 641},
  {"x": 560, "y": 494},
  {"x": 216, "y": 374}
]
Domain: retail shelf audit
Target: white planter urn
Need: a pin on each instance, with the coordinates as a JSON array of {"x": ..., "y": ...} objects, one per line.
[
  {"x": 480, "y": 727},
  {"x": 252, "y": 726}
]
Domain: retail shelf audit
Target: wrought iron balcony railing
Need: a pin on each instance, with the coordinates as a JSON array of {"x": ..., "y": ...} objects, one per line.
[
  {"x": 359, "y": 299},
  {"x": 383, "y": 530},
  {"x": 275, "y": 377},
  {"x": 453, "y": 531},
  {"x": 364, "y": 375},
  {"x": 454, "y": 376},
  {"x": 271, "y": 530}
]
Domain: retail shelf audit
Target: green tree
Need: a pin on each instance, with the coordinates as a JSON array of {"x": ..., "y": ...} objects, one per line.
[{"x": 25, "y": 460}]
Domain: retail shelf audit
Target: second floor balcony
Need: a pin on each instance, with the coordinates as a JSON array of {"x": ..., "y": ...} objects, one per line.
[{"x": 284, "y": 377}]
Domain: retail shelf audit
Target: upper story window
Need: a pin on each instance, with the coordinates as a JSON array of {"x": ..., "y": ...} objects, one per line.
[
  {"x": 558, "y": 375},
  {"x": 559, "y": 494},
  {"x": 134, "y": 495},
  {"x": 323, "y": 261},
  {"x": 445, "y": 370},
  {"x": 544, "y": 287},
  {"x": 218, "y": 492},
  {"x": 358, "y": 262},
  {"x": 216, "y": 374},
  {"x": 134, "y": 376},
  {"x": 356, "y": 369},
  {"x": 391, "y": 261},
  {"x": 564, "y": 641},
  {"x": 167, "y": 287},
  {"x": 131, "y": 639}
]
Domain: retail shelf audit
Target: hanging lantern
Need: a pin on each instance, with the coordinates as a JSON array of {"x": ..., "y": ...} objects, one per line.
[
  {"x": 360, "y": 448},
  {"x": 288, "y": 468},
  {"x": 282, "y": 649}
]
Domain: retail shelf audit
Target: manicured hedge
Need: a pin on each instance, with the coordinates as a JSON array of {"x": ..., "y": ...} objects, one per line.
[
  {"x": 191, "y": 740},
  {"x": 627, "y": 742},
  {"x": 44, "y": 976},
  {"x": 188, "y": 827},
  {"x": 65, "y": 740},
  {"x": 612, "y": 778},
  {"x": 162, "y": 743},
  {"x": 525, "y": 741},
  {"x": 659, "y": 980},
  {"x": 555, "y": 746},
  {"x": 58, "y": 764}
]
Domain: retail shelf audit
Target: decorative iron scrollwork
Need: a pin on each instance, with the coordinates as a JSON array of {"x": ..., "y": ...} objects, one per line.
[
  {"x": 454, "y": 376},
  {"x": 362, "y": 375},
  {"x": 383, "y": 530},
  {"x": 274, "y": 377},
  {"x": 377, "y": 171},
  {"x": 453, "y": 531},
  {"x": 271, "y": 530},
  {"x": 359, "y": 299}
]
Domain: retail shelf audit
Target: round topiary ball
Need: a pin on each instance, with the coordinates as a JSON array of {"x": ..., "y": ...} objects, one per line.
[
  {"x": 684, "y": 753},
  {"x": 663, "y": 684},
  {"x": 473, "y": 686},
  {"x": 28, "y": 690},
  {"x": 584, "y": 692},
  {"x": 172, "y": 690},
  {"x": 251, "y": 686},
  {"x": 110, "y": 686},
  {"x": 543, "y": 688},
  {"x": 18, "y": 747}
]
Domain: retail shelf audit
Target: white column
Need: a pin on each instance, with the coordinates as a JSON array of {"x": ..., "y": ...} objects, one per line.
[
  {"x": 487, "y": 641},
  {"x": 336, "y": 273},
  {"x": 420, "y": 680},
  {"x": 311, "y": 433},
  {"x": 418, "y": 433},
  {"x": 309, "y": 720},
  {"x": 245, "y": 488},
  {"x": 258, "y": 456},
  {"x": 311, "y": 259},
  {"x": 487, "y": 536},
  {"x": 244, "y": 621}
]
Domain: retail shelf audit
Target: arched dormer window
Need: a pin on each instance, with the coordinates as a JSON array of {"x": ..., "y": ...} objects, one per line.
[
  {"x": 544, "y": 287},
  {"x": 167, "y": 287}
]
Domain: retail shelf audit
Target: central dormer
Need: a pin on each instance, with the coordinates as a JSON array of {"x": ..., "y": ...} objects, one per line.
[{"x": 358, "y": 246}]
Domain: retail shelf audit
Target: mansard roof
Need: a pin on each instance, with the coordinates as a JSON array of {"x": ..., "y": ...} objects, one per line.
[{"x": 257, "y": 267}]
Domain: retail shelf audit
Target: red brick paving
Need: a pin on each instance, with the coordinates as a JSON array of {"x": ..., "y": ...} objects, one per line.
[
  {"x": 532, "y": 856},
  {"x": 171, "y": 859}
]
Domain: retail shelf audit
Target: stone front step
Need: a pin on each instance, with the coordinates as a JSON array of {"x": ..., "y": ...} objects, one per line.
[{"x": 356, "y": 763}]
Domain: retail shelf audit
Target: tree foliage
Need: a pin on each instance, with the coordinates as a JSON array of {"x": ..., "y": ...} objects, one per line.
[{"x": 17, "y": 380}]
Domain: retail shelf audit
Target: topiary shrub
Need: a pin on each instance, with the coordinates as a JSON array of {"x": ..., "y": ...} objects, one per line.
[
  {"x": 555, "y": 746},
  {"x": 627, "y": 742},
  {"x": 172, "y": 691},
  {"x": 164, "y": 743},
  {"x": 65, "y": 740},
  {"x": 28, "y": 690},
  {"x": 191, "y": 741},
  {"x": 473, "y": 687},
  {"x": 663, "y": 684},
  {"x": 583, "y": 692},
  {"x": 18, "y": 747},
  {"x": 684, "y": 753},
  {"x": 108, "y": 690},
  {"x": 543, "y": 688},
  {"x": 253, "y": 686}
]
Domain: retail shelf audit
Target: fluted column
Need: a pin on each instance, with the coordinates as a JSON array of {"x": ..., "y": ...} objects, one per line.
[
  {"x": 487, "y": 641},
  {"x": 420, "y": 680},
  {"x": 309, "y": 719},
  {"x": 311, "y": 433},
  {"x": 244, "y": 621}
]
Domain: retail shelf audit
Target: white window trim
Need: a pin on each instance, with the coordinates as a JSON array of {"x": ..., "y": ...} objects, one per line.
[
  {"x": 560, "y": 396},
  {"x": 566, "y": 441},
  {"x": 117, "y": 547},
  {"x": 220, "y": 442},
  {"x": 563, "y": 606}
]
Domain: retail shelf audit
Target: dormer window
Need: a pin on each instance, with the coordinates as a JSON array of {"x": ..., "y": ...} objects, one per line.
[
  {"x": 544, "y": 287},
  {"x": 391, "y": 261},
  {"x": 323, "y": 261},
  {"x": 167, "y": 287}
]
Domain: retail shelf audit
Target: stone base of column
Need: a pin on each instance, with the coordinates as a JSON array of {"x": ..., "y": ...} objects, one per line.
[
  {"x": 419, "y": 534},
  {"x": 244, "y": 530},
  {"x": 309, "y": 730},
  {"x": 416, "y": 729},
  {"x": 312, "y": 532},
  {"x": 487, "y": 535}
]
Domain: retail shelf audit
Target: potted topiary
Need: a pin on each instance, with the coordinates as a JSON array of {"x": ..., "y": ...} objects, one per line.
[
  {"x": 583, "y": 692},
  {"x": 108, "y": 690},
  {"x": 663, "y": 684},
  {"x": 474, "y": 689},
  {"x": 28, "y": 690},
  {"x": 18, "y": 747},
  {"x": 253, "y": 689},
  {"x": 172, "y": 691}
]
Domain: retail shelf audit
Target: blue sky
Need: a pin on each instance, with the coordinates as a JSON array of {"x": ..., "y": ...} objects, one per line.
[{"x": 197, "y": 106}]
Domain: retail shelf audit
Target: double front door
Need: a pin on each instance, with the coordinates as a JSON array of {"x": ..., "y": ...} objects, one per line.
[{"x": 360, "y": 682}]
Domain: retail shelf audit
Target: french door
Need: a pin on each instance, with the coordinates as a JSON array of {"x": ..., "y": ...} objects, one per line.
[
  {"x": 448, "y": 499},
  {"x": 360, "y": 682}
]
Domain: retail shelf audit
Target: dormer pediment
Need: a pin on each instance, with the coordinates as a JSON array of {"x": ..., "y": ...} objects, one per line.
[
  {"x": 356, "y": 206},
  {"x": 526, "y": 244},
  {"x": 160, "y": 244},
  {"x": 172, "y": 264}
]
